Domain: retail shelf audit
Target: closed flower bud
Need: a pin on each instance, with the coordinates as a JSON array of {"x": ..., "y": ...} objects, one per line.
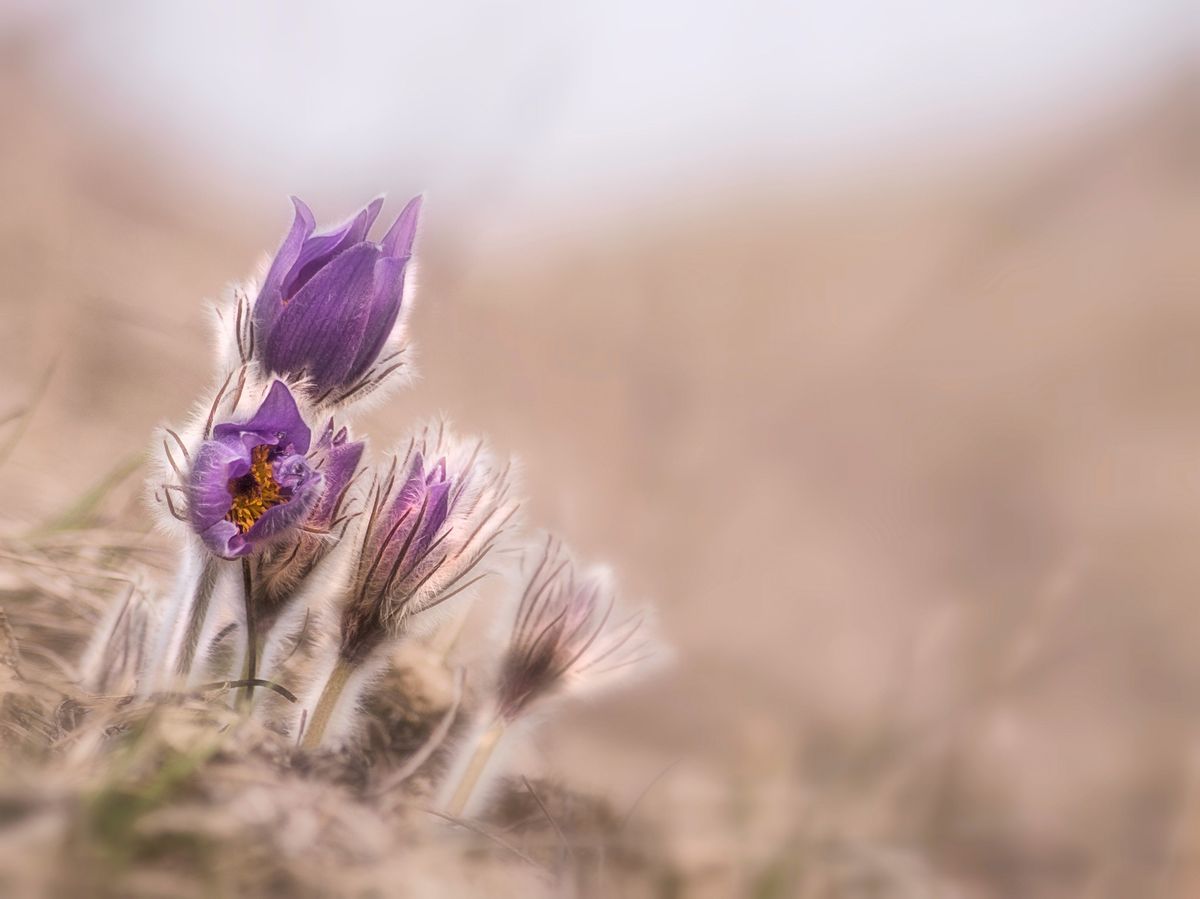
[
  {"x": 567, "y": 634},
  {"x": 330, "y": 302},
  {"x": 434, "y": 518}
]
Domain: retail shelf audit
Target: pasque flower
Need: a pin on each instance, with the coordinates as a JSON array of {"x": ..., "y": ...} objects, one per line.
[
  {"x": 330, "y": 301},
  {"x": 251, "y": 482},
  {"x": 435, "y": 516},
  {"x": 565, "y": 635},
  {"x": 281, "y": 573},
  {"x": 281, "y": 567},
  {"x": 332, "y": 572}
]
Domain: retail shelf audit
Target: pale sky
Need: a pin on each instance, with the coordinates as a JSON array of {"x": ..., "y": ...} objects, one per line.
[{"x": 557, "y": 103}]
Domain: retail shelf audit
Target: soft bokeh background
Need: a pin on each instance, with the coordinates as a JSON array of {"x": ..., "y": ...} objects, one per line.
[{"x": 861, "y": 337}]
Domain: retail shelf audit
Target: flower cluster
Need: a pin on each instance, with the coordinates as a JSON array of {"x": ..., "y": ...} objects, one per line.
[{"x": 291, "y": 541}]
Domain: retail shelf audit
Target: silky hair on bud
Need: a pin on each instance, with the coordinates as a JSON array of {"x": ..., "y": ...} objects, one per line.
[
  {"x": 433, "y": 518},
  {"x": 568, "y": 633}
]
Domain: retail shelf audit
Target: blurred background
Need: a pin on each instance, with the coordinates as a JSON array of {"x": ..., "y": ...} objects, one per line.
[{"x": 860, "y": 337}]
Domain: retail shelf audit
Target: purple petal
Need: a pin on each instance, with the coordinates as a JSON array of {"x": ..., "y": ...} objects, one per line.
[
  {"x": 343, "y": 462},
  {"x": 320, "y": 330},
  {"x": 292, "y": 472},
  {"x": 276, "y": 423},
  {"x": 399, "y": 239},
  {"x": 224, "y": 540},
  {"x": 340, "y": 465},
  {"x": 387, "y": 296},
  {"x": 325, "y": 441},
  {"x": 331, "y": 436},
  {"x": 320, "y": 249},
  {"x": 407, "y": 499},
  {"x": 415, "y": 494},
  {"x": 437, "y": 511},
  {"x": 270, "y": 297},
  {"x": 285, "y": 516},
  {"x": 217, "y": 462},
  {"x": 412, "y": 491}
]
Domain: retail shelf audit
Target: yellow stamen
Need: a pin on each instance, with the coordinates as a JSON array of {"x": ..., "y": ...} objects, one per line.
[{"x": 254, "y": 492}]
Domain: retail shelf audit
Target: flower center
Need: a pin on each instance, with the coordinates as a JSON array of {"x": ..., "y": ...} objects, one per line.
[{"x": 254, "y": 492}]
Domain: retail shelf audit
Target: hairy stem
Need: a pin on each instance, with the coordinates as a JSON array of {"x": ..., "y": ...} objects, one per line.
[
  {"x": 251, "y": 634},
  {"x": 479, "y": 759},
  {"x": 326, "y": 703},
  {"x": 197, "y": 613},
  {"x": 244, "y": 700}
]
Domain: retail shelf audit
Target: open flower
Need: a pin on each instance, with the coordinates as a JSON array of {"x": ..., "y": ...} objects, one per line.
[
  {"x": 330, "y": 301},
  {"x": 251, "y": 482}
]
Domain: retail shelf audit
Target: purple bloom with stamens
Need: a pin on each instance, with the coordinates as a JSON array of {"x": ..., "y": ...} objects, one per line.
[
  {"x": 251, "y": 483},
  {"x": 331, "y": 300}
]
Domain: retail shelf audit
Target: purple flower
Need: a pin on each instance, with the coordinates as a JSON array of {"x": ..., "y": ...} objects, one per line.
[
  {"x": 433, "y": 518},
  {"x": 251, "y": 483},
  {"x": 281, "y": 568},
  {"x": 418, "y": 512},
  {"x": 330, "y": 300},
  {"x": 565, "y": 634},
  {"x": 337, "y": 458}
]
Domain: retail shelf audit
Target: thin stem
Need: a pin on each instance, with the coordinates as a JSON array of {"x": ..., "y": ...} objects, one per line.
[
  {"x": 247, "y": 679},
  {"x": 483, "y": 753},
  {"x": 326, "y": 703},
  {"x": 251, "y": 633},
  {"x": 197, "y": 613}
]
